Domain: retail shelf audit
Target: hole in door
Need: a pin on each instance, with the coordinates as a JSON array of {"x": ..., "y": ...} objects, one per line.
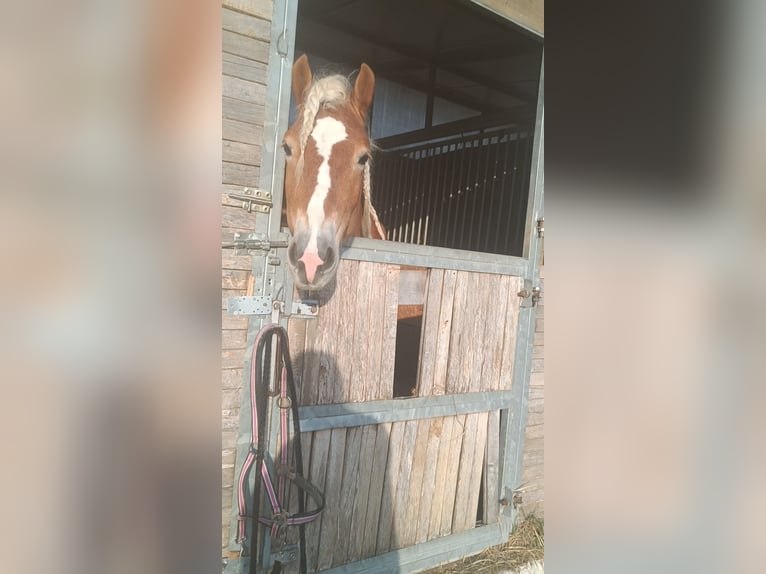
[{"x": 412, "y": 282}]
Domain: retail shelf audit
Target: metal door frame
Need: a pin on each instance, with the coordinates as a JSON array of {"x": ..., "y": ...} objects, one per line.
[{"x": 274, "y": 281}]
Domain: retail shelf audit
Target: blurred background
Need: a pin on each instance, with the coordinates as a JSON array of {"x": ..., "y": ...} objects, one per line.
[{"x": 655, "y": 282}]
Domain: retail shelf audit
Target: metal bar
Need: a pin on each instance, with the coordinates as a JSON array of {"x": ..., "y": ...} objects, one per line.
[
  {"x": 483, "y": 214},
  {"x": 491, "y": 213},
  {"x": 503, "y": 193},
  {"x": 451, "y": 185},
  {"x": 508, "y": 235},
  {"x": 469, "y": 187},
  {"x": 428, "y": 554},
  {"x": 321, "y": 417},
  {"x": 381, "y": 196},
  {"x": 409, "y": 191},
  {"x": 519, "y": 226},
  {"x": 271, "y": 178},
  {"x": 425, "y": 159},
  {"x": 400, "y": 182},
  {"x": 514, "y": 117},
  {"x": 430, "y": 202},
  {"x": 362, "y": 249},
  {"x": 516, "y": 419}
]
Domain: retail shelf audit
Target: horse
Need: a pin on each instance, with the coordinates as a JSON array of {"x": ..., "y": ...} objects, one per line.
[{"x": 327, "y": 172}]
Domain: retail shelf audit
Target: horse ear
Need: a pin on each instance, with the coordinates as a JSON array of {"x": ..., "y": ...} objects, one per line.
[
  {"x": 301, "y": 78},
  {"x": 364, "y": 89}
]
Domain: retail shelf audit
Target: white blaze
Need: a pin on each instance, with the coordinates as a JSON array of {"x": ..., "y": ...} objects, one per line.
[{"x": 326, "y": 133}]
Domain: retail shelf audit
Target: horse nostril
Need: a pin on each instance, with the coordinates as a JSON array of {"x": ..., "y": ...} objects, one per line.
[{"x": 329, "y": 259}]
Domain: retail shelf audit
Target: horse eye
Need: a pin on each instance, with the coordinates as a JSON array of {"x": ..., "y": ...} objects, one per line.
[
  {"x": 288, "y": 151},
  {"x": 363, "y": 158}
]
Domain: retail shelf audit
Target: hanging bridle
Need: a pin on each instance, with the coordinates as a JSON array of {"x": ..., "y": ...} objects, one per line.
[{"x": 287, "y": 401}]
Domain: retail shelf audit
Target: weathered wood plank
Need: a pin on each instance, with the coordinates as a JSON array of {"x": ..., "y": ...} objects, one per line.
[
  {"x": 231, "y": 398},
  {"x": 440, "y": 477},
  {"x": 491, "y": 471},
  {"x": 232, "y": 378},
  {"x": 238, "y": 152},
  {"x": 428, "y": 489},
  {"x": 375, "y": 498},
  {"x": 459, "y": 342},
  {"x": 232, "y": 358},
  {"x": 385, "y": 539},
  {"x": 310, "y": 364},
  {"x": 261, "y": 8},
  {"x": 377, "y": 320},
  {"x": 238, "y": 131},
  {"x": 240, "y": 174},
  {"x": 388, "y": 346},
  {"x": 235, "y": 279},
  {"x": 430, "y": 332},
  {"x": 245, "y": 46},
  {"x": 511, "y": 329},
  {"x": 232, "y": 321},
  {"x": 349, "y": 484},
  {"x": 320, "y": 446},
  {"x": 402, "y": 500},
  {"x": 246, "y": 24},
  {"x": 248, "y": 112},
  {"x": 329, "y": 536},
  {"x": 362, "y": 503},
  {"x": 296, "y": 334},
  {"x": 344, "y": 341},
  {"x": 450, "y": 482},
  {"x": 410, "y": 526},
  {"x": 240, "y": 89},
  {"x": 441, "y": 359},
  {"x": 359, "y": 383},
  {"x": 462, "y": 516},
  {"x": 245, "y": 68},
  {"x": 236, "y": 219},
  {"x": 231, "y": 261},
  {"x": 231, "y": 339},
  {"x": 491, "y": 351}
]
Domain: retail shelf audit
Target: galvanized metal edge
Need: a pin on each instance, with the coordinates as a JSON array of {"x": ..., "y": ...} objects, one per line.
[
  {"x": 270, "y": 280},
  {"x": 513, "y": 423},
  {"x": 428, "y": 554},
  {"x": 322, "y": 417},
  {"x": 375, "y": 250}
]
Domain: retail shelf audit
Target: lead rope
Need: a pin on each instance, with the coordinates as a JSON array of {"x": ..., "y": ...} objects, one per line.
[{"x": 280, "y": 517}]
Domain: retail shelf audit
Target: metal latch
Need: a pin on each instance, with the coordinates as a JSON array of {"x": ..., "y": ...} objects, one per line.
[
  {"x": 305, "y": 309},
  {"x": 530, "y": 295},
  {"x": 254, "y": 200},
  {"x": 249, "y": 305},
  {"x": 541, "y": 227},
  {"x": 253, "y": 242}
]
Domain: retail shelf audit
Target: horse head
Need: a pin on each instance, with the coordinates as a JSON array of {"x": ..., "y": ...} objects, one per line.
[{"x": 327, "y": 172}]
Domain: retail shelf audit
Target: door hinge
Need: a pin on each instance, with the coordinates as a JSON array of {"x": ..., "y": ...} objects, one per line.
[
  {"x": 242, "y": 244},
  {"x": 541, "y": 227},
  {"x": 253, "y": 200},
  {"x": 529, "y": 295}
]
